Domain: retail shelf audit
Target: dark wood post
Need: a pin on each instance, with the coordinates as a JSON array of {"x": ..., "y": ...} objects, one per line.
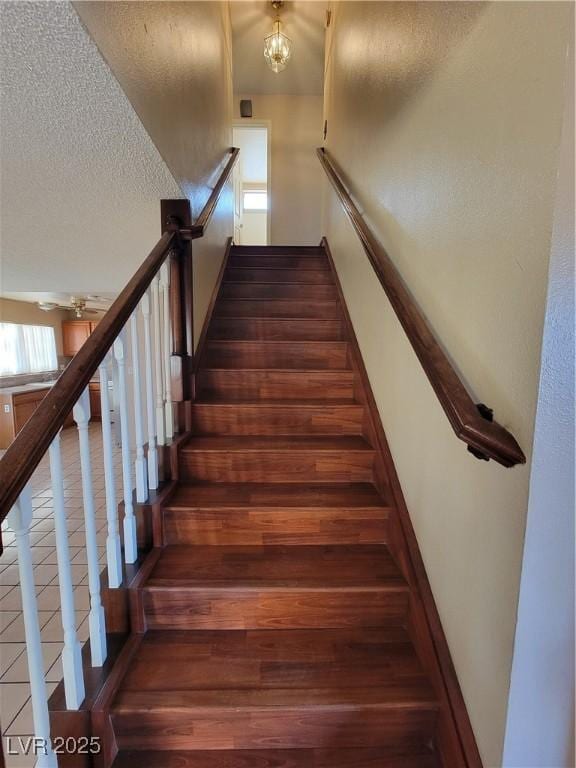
[{"x": 176, "y": 214}]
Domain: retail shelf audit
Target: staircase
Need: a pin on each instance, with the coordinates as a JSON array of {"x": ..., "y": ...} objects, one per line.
[{"x": 276, "y": 618}]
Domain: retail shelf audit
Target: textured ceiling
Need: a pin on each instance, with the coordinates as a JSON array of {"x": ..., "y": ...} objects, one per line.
[
  {"x": 303, "y": 22},
  {"x": 80, "y": 177},
  {"x": 59, "y": 297}
]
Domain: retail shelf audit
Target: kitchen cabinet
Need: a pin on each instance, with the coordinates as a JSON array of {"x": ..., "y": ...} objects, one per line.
[
  {"x": 17, "y": 404},
  {"x": 74, "y": 334},
  {"x": 95, "y": 404}
]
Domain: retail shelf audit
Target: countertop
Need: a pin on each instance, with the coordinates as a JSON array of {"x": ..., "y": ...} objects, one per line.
[{"x": 21, "y": 388}]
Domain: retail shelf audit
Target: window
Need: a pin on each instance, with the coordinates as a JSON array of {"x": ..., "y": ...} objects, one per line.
[
  {"x": 27, "y": 349},
  {"x": 255, "y": 201}
]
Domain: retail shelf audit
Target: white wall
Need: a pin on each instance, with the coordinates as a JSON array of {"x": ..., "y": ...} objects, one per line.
[
  {"x": 540, "y": 724},
  {"x": 445, "y": 119},
  {"x": 296, "y": 131},
  {"x": 253, "y": 159}
]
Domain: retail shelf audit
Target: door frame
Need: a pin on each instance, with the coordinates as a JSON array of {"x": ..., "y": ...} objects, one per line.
[{"x": 249, "y": 122}]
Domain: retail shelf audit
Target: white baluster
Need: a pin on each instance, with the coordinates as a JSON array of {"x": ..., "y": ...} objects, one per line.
[
  {"x": 113, "y": 543},
  {"x": 19, "y": 520},
  {"x": 140, "y": 463},
  {"x": 152, "y": 451},
  {"x": 71, "y": 653},
  {"x": 96, "y": 620},
  {"x": 160, "y": 428},
  {"x": 167, "y": 350},
  {"x": 130, "y": 541}
]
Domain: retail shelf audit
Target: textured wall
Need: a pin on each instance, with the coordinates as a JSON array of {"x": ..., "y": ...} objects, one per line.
[
  {"x": 80, "y": 178},
  {"x": 174, "y": 62},
  {"x": 295, "y": 173},
  {"x": 446, "y": 120}
]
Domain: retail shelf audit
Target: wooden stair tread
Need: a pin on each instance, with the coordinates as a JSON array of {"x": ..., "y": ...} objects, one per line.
[
  {"x": 257, "y": 443},
  {"x": 277, "y": 659},
  {"x": 213, "y": 398},
  {"x": 192, "y": 496},
  {"x": 306, "y": 567},
  {"x": 281, "y": 758}
]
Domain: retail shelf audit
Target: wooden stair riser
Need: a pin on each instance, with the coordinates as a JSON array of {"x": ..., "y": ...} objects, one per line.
[
  {"x": 298, "y": 263},
  {"x": 277, "y": 275},
  {"x": 284, "y": 728},
  {"x": 281, "y": 419},
  {"x": 280, "y": 608},
  {"x": 245, "y": 251},
  {"x": 269, "y": 329},
  {"x": 290, "y": 525},
  {"x": 276, "y": 466},
  {"x": 251, "y": 385},
  {"x": 298, "y": 355},
  {"x": 323, "y": 310},
  {"x": 286, "y": 291}
]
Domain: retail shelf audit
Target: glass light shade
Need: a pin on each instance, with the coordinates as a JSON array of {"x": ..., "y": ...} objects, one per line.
[{"x": 277, "y": 49}]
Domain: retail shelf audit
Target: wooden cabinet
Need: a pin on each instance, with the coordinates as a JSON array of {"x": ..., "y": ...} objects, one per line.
[
  {"x": 17, "y": 404},
  {"x": 95, "y": 404},
  {"x": 74, "y": 334}
]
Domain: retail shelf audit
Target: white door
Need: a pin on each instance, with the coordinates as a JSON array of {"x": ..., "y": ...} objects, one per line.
[
  {"x": 237, "y": 204},
  {"x": 251, "y": 184}
]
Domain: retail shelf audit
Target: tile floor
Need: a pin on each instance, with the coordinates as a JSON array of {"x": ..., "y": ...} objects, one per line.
[{"x": 15, "y": 704}]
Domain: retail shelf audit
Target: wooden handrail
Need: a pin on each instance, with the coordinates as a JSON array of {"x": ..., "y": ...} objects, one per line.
[
  {"x": 199, "y": 227},
  {"x": 25, "y": 453},
  {"x": 472, "y": 423}
]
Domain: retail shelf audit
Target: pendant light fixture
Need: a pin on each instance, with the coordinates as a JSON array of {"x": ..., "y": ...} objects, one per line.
[{"x": 277, "y": 47}]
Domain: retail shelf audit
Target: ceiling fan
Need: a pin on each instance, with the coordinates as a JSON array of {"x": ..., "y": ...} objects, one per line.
[{"x": 77, "y": 305}]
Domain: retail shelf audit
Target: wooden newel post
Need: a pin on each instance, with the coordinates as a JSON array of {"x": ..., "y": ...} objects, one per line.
[{"x": 175, "y": 214}]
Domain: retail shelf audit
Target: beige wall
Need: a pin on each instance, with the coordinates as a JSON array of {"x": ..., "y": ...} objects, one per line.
[
  {"x": 296, "y": 131},
  {"x": 28, "y": 314},
  {"x": 174, "y": 62},
  {"x": 445, "y": 119}
]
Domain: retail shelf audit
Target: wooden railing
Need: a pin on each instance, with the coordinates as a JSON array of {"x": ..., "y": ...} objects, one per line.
[
  {"x": 157, "y": 303},
  {"x": 471, "y": 422}
]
